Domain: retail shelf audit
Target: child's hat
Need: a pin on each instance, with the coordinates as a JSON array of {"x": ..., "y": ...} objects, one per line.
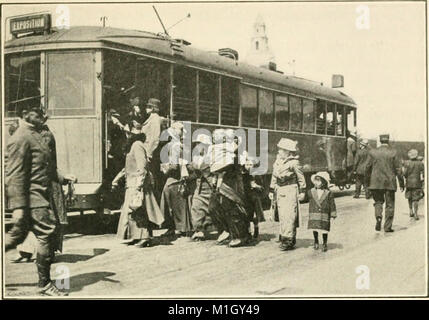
[{"x": 322, "y": 174}]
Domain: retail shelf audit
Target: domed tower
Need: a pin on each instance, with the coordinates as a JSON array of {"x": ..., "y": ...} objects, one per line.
[{"x": 259, "y": 54}]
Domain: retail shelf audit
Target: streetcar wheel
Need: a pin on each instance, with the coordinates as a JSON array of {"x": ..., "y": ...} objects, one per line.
[{"x": 348, "y": 186}]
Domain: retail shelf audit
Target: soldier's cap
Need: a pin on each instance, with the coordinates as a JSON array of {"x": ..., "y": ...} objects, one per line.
[
  {"x": 287, "y": 144},
  {"x": 413, "y": 153},
  {"x": 321, "y": 174},
  {"x": 384, "y": 137}
]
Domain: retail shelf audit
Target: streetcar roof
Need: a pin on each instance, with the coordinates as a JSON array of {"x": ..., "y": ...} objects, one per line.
[{"x": 159, "y": 47}]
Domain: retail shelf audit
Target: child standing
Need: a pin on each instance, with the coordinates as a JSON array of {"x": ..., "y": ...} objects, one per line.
[
  {"x": 413, "y": 171},
  {"x": 321, "y": 208}
]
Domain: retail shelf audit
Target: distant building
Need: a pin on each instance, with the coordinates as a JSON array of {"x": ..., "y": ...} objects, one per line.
[{"x": 259, "y": 54}]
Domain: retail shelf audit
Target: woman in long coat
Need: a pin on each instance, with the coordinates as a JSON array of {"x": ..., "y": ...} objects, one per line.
[
  {"x": 203, "y": 190},
  {"x": 228, "y": 204},
  {"x": 286, "y": 189},
  {"x": 135, "y": 221},
  {"x": 176, "y": 198}
]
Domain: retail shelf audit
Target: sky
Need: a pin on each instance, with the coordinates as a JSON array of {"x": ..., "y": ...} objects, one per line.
[{"x": 384, "y": 64}]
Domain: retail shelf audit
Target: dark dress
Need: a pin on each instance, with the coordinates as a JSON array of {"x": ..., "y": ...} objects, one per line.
[
  {"x": 228, "y": 205},
  {"x": 176, "y": 198}
]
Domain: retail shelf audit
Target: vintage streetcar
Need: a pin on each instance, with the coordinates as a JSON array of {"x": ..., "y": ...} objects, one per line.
[{"x": 80, "y": 73}]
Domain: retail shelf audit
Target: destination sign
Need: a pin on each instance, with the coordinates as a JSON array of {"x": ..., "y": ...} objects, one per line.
[{"x": 37, "y": 23}]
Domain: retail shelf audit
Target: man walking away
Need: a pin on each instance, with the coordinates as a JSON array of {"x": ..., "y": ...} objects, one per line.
[
  {"x": 359, "y": 169},
  {"x": 384, "y": 167}
]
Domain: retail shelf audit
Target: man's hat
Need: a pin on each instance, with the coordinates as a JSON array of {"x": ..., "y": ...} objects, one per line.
[
  {"x": 153, "y": 103},
  {"x": 321, "y": 174},
  {"x": 287, "y": 144},
  {"x": 413, "y": 153},
  {"x": 384, "y": 138}
]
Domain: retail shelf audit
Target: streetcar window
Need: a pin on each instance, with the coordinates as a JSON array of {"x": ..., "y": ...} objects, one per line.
[
  {"x": 330, "y": 117},
  {"x": 208, "y": 98},
  {"x": 230, "y": 101},
  {"x": 184, "y": 107},
  {"x": 249, "y": 107},
  {"x": 266, "y": 109},
  {"x": 295, "y": 113},
  {"x": 22, "y": 76},
  {"x": 320, "y": 117},
  {"x": 340, "y": 120},
  {"x": 70, "y": 83},
  {"x": 351, "y": 120},
  {"x": 282, "y": 112},
  {"x": 308, "y": 109}
]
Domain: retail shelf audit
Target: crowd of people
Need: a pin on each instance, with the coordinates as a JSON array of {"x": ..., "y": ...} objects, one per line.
[{"x": 216, "y": 190}]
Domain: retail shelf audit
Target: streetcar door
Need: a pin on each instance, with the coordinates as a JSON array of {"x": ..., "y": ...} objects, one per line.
[{"x": 73, "y": 101}]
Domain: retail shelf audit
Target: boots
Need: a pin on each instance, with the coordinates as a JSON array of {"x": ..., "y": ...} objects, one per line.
[
  {"x": 378, "y": 224},
  {"x": 287, "y": 244},
  {"x": 416, "y": 208}
]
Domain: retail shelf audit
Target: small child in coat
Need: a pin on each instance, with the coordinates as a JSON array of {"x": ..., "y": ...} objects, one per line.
[
  {"x": 413, "y": 171},
  {"x": 321, "y": 208}
]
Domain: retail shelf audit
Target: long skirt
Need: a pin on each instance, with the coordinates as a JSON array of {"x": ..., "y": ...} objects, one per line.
[
  {"x": 288, "y": 209},
  {"x": 133, "y": 224},
  {"x": 176, "y": 207},
  {"x": 200, "y": 208},
  {"x": 229, "y": 216}
]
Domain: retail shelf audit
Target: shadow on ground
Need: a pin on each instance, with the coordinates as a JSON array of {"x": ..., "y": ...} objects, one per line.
[
  {"x": 72, "y": 258},
  {"x": 77, "y": 283}
]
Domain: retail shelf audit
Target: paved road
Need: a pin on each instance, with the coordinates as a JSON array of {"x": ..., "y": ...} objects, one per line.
[{"x": 392, "y": 264}]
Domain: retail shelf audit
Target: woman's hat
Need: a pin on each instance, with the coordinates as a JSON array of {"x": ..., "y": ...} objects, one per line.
[
  {"x": 223, "y": 156},
  {"x": 413, "y": 153},
  {"x": 203, "y": 138},
  {"x": 364, "y": 142},
  {"x": 287, "y": 144},
  {"x": 218, "y": 135},
  {"x": 322, "y": 174}
]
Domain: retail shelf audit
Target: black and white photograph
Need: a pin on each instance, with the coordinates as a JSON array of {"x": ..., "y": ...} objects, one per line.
[{"x": 214, "y": 150}]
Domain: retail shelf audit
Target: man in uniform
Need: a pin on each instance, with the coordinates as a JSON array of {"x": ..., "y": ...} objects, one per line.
[
  {"x": 30, "y": 172},
  {"x": 359, "y": 169},
  {"x": 152, "y": 129},
  {"x": 384, "y": 167}
]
